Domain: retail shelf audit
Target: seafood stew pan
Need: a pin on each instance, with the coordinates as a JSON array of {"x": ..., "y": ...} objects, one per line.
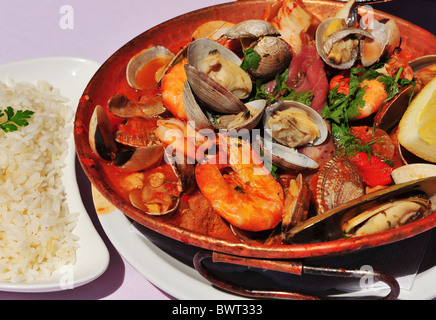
[{"x": 175, "y": 34}]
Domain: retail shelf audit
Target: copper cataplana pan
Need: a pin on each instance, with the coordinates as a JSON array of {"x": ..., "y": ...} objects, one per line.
[{"x": 287, "y": 258}]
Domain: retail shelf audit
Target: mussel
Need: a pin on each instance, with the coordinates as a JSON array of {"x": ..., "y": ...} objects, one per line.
[
  {"x": 390, "y": 215},
  {"x": 405, "y": 202}
]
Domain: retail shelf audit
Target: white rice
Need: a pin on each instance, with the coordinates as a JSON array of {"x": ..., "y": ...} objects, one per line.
[{"x": 35, "y": 223}]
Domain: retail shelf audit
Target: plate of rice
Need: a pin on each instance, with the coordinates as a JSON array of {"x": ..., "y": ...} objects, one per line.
[{"x": 47, "y": 239}]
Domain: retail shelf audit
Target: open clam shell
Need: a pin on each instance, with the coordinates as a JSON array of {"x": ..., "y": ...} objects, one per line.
[
  {"x": 194, "y": 111},
  {"x": 142, "y": 59},
  {"x": 101, "y": 137},
  {"x": 140, "y": 158},
  {"x": 284, "y": 157},
  {"x": 290, "y": 126},
  {"x": 327, "y": 226},
  {"x": 327, "y": 38},
  {"x": 184, "y": 183},
  {"x": 373, "y": 47},
  {"x": 213, "y": 94},
  {"x": 424, "y": 69},
  {"x": 422, "y": 62},
  {"x": 206, "y": 119}
]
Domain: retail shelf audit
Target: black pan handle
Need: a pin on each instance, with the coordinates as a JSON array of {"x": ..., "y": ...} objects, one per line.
[{"x": 288, "y": 266}]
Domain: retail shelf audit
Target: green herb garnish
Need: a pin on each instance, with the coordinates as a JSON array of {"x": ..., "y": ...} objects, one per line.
[
  {"x": 342, "y": 108},
  {"x": 282, "y": 91},
  {"x": 251, "y": 58},
  {"x": 15, "y": 119}
]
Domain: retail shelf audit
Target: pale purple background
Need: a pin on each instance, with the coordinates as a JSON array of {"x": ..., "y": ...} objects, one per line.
[{"x": 30, "y": 29}]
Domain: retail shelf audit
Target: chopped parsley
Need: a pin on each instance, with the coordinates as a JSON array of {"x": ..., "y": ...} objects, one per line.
[{"x": 15, "y": 119}]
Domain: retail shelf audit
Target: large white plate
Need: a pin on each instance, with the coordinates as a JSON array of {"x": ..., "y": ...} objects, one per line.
[
  {"x": 165, "y": 267},
  {"x": 70, "y": 75}
]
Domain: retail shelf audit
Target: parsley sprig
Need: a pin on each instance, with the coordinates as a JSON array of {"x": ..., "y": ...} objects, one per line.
[
  {"x": 343, "y": 108},
  {"x": 251, "y": 58},
  {"x": 15, "y": 119}
]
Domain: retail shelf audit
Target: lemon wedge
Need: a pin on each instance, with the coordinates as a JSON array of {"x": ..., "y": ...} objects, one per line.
[{"x": 417, "y": 128}]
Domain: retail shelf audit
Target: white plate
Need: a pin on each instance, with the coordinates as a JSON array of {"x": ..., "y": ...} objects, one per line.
[
  {"x": 170, "y": 273},
  {"x": 70, "y": 75}
]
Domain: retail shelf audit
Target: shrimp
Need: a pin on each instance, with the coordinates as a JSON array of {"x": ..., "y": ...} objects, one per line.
[
  {"x": 397, "y": 62},
  {"x": 374, "y": 96},
  {"x": 172, "y": 84},
  {"x": 183, "y": 138},
  {"x": 242, "y": 192}
]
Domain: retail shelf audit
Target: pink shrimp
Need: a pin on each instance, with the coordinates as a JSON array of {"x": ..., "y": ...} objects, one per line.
[
  {"x": 243, "y": 192},
  {"x": 172, "y": 84}
]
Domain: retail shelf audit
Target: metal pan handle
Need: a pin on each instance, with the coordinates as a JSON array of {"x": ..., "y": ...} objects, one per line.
[{"x": 288, "y": 266}]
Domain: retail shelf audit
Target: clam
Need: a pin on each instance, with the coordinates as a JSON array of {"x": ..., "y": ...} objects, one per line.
[
  {"x": 422, "y": 62},
  {"x": 338, "y": 182},
  {"x": 154, "y": 59},
  {"x": 101, "y": 138},
  {"x": 284, "y": 157},
  {"x": 163, "y": 186},
  {"x": 203, "y": 118},
  {"x": 122, "y": 150},
  {"x": 424, "y": 69},
  {"x": 123, "y": 107},
  {"x": 294, "y": 124},
  {"x": 296, "y": 207},
  {"x": 252, "y": 28},
  {"x": 275, "y": 53},
  {"x": 374, "y": 212},
  {"x": 216, "y": 78},
  {"x": 138, "y": 159},
  {"x": 338, "y": 44},
  {"x": 275, "y": 57},
  {"x": 289, "y": 125},
  {"x": 373, "y": 47}
]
